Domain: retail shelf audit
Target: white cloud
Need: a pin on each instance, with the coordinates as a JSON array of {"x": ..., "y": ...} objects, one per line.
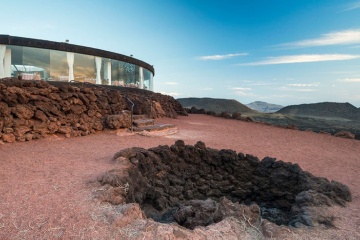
[
  {"x": 352, "y": 6},
  {"x": 241, "y": 89},
  {"x": 222, "y": 57},
  {"x": 349, "y": 80},
  {"x": 305, "y": 90},
  {"x": 298, "y": 89},
  {"x": 263, "y": 84},
  {"x": 303, "y": 84},
  {"x": 244, "y": 92},
  {"x": 302, "y": 59},
  {"x": 171, "y": 83},
  {"x": 350, "y": 36},
  {"x": 174, "y": 94}
]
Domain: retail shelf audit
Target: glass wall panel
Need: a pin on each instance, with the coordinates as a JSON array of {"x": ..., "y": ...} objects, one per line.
[
  {"x": 129, "y": 74},
  {"x": 59, "y": 69},
  {"x": 44, "y": 64},
  {"x": 105, "y": 71},
  {"x": 151, "y": 87},
  {"x": 84, "y": 68},
  {"x": 36, "y": 61},
  {"x": 16, "y": 55},
  {"x": 16, "y": 60},
  {"x": 136, "y": 76},
  {"x": 30, "y": 63},
  {"x": 147, "y": 77},
  {"x": 116, "y": 73}
]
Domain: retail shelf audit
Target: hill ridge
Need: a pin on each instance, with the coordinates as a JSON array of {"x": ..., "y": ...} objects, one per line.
[
  {"x": 217, "y": 105},
  {"x": 323, "y": 109},
  {"x": 264, "y": 107}
]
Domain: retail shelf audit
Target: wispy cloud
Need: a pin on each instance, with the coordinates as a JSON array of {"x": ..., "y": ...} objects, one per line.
[
  {"x": 352, "y": 6},
  {"x": 294, "y": 89},
  {"x": 171, "y": 83},
  {"x": 349, "y": 80},
  {"x": 244, "y": 92},
  {"x": 302, "y": 59},
  {"x": 174, "y": 94},
  {"x": 222, "y": 57},
  {"x": 345, "y": 37},
  {"x": 241, "y": 89},
  {"x": 303, "y": 84},
  {"x": 263, "y": 84}
]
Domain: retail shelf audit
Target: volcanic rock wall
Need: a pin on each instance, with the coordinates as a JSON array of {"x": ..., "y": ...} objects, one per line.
[
  {"x": 32, "y": 109},
  {"x": 166, "y": 181}
]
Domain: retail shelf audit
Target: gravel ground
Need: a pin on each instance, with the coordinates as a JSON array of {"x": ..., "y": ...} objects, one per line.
[{"x": 47, "y": 186}]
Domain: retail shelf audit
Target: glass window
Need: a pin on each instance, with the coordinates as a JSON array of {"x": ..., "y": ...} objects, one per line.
[
  {"x": 16, "y": 60},
  {"x": 31, "y": 63},
  {"x": 105, "y": 72},
  {"x": 147, "y": 77},
  {"x": 129, "y": 74},
  {"x": 84, "y": 68},
  {"x": 59, "y": 69},
  {"x": 37, "y": 62}
]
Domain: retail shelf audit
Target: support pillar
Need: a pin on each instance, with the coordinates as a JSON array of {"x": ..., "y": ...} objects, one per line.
[
  {"x": 7, "y": 63},
  {"x": 141, "y": 76}
]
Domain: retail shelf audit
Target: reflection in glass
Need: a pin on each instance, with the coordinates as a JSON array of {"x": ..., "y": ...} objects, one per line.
[
  {"x": 59, "y": 69},
  {"x": 53, "y": 65},
  {"x": 98, "y": 64},
  {"x": 147, "y": 76},
  {"x": 84, "y": 68},
  {"x": 106, "y": 72},
  {"x": 37, "y": 61},
  {"x": 129, "y": 72}
]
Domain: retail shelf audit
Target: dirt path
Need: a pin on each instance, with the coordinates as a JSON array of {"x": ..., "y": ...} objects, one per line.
[{"x": 46, "y": 189}]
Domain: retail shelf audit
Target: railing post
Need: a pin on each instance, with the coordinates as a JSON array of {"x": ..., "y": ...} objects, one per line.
[{"x": 132, "y": 110}]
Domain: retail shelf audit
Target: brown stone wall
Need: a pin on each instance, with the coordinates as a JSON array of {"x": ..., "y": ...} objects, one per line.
[{"x": 33, "y": 109}]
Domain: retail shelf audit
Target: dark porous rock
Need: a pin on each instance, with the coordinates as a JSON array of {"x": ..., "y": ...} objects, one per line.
[
  {"x": 237, "y": 116},
  {"x": 195, "y": 213},
  {"x": 73, "y": 109},
  {"x": 197, "y": 178},
  {"x": 211, "y": 113},
  {"x": 194, "y": 110},
  {"x": 121, "y": 120},
  {"x": 225, "y": 115}
]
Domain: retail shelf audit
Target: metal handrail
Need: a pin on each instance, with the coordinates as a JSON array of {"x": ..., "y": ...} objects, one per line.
[{"x": 132, "y": 110}]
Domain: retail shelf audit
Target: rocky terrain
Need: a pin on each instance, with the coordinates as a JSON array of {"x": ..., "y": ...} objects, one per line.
[
  {"x": 53, "y": 188},
  {"x": 330, "y": 118},
  {"x": 324, "y": 125},
  {"x": 34, "y": 109},
  {"x": 264, "y": 107},
  {"x": 185, "y": 184}
]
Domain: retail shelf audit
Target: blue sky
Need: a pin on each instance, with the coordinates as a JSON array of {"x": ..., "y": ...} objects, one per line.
[{"x": 278, "y": 51}]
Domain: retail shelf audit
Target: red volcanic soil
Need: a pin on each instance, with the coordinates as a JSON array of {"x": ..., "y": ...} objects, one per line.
[{"x": 47, "y": 185}]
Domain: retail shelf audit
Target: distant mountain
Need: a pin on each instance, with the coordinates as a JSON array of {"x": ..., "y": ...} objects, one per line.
[
  {"x": 264, "y": 107},
  {"x": 323, "y": 110},
  {"x": 215, "y": 104}
]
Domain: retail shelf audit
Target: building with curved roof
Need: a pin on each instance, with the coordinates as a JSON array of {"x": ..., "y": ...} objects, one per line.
[{"x": 35, "y": 59}]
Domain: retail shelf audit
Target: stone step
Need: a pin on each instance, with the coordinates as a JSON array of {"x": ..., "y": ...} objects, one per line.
[
  {"x": 143, "y": 122},
  {"x": 136, "y": 117},
  {"x": 152, "y": 128}
]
